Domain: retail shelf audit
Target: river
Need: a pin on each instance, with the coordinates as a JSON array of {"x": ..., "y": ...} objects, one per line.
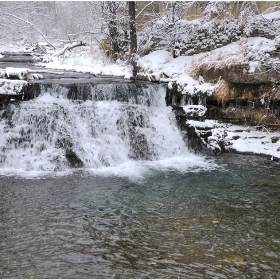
[
  {"x": 96, "y": 181},
  {"x": 157, "y": 223}
]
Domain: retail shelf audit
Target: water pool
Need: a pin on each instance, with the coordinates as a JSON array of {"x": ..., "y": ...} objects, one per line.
[{"x": 216, "y": 223}]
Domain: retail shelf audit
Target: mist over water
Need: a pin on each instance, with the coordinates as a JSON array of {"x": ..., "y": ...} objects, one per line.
[{"x": 92, "y": 127}]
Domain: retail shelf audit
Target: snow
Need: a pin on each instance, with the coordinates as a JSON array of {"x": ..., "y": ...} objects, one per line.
[
  {"x": 89, "y": 61},
  {"x": 205, "y": 124},
  {"x": 156, "y": 58},
  {"x": 182, "y": 72},
  {"x": 243, "y": 51},
  {"x": 193, "y": 110},
  {"x": 162, "y": 66},
  {"x": 20, "y": 73},
  {"x": 11, "y": 48},
  {"x": 272, "y": 16},
  {"x": 12, "y": 87},
  {"x": 96, "y": 68},
  {"x": 239, "y": 138},
  {"x": 254, "y": 141}
]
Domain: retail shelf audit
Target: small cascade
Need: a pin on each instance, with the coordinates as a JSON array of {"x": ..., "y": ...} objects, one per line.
[
  {"x": 89, "y": 126},
  {"x": 190, "y": 101},
  {"x": 183, "y": 100}
]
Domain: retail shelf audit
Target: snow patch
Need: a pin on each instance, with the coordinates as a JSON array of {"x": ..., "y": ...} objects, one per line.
[
  {"x": 88, "y": 61},
  {"x": 195, "y": 110}
]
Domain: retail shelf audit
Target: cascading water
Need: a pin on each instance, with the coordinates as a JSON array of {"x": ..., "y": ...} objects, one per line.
[{"x": 89, "y": 126}]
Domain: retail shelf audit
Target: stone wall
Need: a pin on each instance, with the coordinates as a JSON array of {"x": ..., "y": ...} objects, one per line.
[
  {"x": 197, "y": 37},
  {"x": 221, "y": 34}
]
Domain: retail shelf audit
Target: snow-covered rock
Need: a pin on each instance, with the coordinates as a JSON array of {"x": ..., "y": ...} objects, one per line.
[
  {"x": 16, "y": 73},
  {"x": 195, "y": 111},
  {"x": 12, "y": 87},
  {"x": 223, "y": 137}
]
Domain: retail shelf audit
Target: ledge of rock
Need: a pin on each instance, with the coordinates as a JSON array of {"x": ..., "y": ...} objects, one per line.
[
  {"x": 222, "y": 137},
  {"x": 12, "y": 87},
  {"x": 241, "y": 73}
]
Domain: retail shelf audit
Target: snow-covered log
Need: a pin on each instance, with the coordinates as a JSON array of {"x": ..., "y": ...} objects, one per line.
[{"x": 68, "y": 48}]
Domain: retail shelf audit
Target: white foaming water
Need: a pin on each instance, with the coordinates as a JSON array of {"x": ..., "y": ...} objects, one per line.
[{"x": 52, "y": 133}]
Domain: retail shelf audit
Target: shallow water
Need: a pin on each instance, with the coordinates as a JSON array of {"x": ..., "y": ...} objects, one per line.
[{"x": 221, "y": 222}]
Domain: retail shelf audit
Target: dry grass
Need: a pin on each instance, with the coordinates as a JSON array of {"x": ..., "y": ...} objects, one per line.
[
  {"x": 222, "y": 92},
  {"x": 219, "y": 59},
  {"x": 255, "y": 116}
]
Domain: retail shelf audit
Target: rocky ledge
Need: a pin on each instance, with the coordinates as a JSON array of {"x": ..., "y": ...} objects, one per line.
[{"x": 213, "y": 137}]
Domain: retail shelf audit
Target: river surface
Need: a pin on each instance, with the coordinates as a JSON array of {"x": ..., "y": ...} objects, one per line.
[
  {"x": 96, "y": 181},
  {"x": 158, "y": 222}
]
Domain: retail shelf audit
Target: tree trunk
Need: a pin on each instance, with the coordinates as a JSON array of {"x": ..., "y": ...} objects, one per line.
[
  {"x": 113, "y": 31},
  {"x": 133, "y": 36},
  {"x": 109, "y": 11}
]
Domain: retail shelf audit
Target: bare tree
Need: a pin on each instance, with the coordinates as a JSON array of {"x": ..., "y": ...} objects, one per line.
[
  {"x": 29, "y": 23},
  {"x": 53, "y": 21},
  {"x": 165, "y": 27},
  {"x": 115, "y": 16}
]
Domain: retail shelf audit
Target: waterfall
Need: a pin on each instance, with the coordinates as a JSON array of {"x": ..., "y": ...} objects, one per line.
[{"x": 90, "y": 126}]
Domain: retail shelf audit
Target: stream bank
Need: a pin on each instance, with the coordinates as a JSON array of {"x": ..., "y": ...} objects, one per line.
[{"x": 241, "y": 110}]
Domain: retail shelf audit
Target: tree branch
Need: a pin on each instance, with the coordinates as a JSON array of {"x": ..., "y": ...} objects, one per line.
[
  {"x": 68, "y": 48},
  {"x": 144, "y": 9},
  {"x": 30, "y": 23}
]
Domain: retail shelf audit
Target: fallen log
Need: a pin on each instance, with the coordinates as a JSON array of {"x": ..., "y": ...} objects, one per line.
[{"x": 68, "y": 48}]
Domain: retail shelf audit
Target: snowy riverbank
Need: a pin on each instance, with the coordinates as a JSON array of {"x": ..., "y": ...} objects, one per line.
[
  {"x": 160, "y": 66},
  {"x": 224, "y": 137}
]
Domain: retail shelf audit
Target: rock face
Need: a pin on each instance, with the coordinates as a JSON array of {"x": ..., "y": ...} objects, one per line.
[
  {"x": 191, "y": 138},
  {"x": 226, "y": 138},
  {"x": 221, "y": 34},
  {"x": 17, "y": 57},
  {"x": 240, "y": 74}
]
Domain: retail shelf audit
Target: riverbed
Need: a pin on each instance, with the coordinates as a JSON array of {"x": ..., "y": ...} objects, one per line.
[{"x": 220, "y": 222}]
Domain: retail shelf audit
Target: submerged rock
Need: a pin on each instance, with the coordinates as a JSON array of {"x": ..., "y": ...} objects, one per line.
[
  {"x": 235, "y": 258},
  {"x": 73, "y": 159}
]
